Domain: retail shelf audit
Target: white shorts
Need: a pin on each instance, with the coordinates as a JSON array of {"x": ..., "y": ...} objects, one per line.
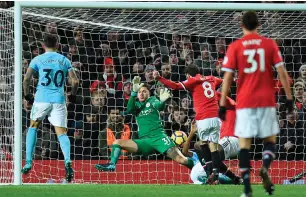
[
  {"x": 198, "y": 174},
  {"x": 256, "y": 122},
  {"x": 230, "y": 146},
  {"x": 209, "y": 129},
  {"x": 57, "y": 113}
]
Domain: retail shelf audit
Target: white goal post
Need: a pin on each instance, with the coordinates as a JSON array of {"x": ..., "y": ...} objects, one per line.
[{"x": 107, "y": 5}]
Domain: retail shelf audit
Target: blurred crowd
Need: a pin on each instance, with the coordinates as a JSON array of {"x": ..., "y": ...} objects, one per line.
[{"x": 105, "y": 65}]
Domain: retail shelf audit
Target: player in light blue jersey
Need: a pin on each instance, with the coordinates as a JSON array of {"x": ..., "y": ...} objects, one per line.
[
  {"x": 198, "y": 174},
  {"x": 53, "y": 69}
]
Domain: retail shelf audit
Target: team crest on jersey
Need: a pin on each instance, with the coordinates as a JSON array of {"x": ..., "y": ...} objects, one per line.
[{"x": 148, "y": 105}]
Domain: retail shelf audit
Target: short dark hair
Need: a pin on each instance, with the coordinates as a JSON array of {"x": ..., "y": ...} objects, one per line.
[
  {"x": 115, "y": 109},
  {"x": 179, "y": 109},
  {"x": 50, "y": 40},
  {"x": 192, "y": 70},
  {"x": 250, "y": 20},
  {"x": 146, "y": 86}
]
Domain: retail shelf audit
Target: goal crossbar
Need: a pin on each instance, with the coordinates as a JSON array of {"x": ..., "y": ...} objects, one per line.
[
  {"x": 166, "y": 5},
  {"x": 108, "y": 5}
]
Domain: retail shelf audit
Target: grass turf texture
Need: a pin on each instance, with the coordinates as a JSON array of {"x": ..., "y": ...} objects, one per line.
[{"x": 94, "y": 190}]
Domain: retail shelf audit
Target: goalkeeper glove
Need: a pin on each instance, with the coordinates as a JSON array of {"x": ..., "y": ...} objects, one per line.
[
  {"x": 29, "y": 98},
  {"x": 136, "y": 84},
  {"x": 72, "y": 98},
  {"x": 222, "y": 112},
  {"x": 164, "y": 94},
  {"x": 289, "y": 105}
]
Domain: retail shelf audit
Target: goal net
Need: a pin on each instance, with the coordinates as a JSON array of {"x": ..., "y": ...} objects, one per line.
[{"x": 107, "y": 48}]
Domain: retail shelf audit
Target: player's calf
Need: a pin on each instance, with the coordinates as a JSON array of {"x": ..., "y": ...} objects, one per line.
[
  {"x": 175, "y": 154},
  {"x": 268, "y": 154},
  {"x": 244, "y": 165},
  {"x": 206, "y": 154}
]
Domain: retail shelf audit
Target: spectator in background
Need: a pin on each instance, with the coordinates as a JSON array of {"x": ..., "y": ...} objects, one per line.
[
  {"x": 149, "y": 75},
  {"x": 169, "y": 105},
  {"x": 298, "y": 94},
  {"x": 205, "y": 60},
  {"x": 85, "y": 134},
  {"x": 113, "y": 80},
  {"x": 302, "y": 111},
  {"x": 177, "y": 121},
  {"x": 138, "y": 70},
  {"x": 291, "y": 138},
  {"x": 302, "y": 74},
  {"x": 220, "y": 44},
  {"x": 166, "y": 72},
  {"x": 127, "y": 90},
  {"x": 116, "y": 129},
  {"x": 51, "y": 28},
  {"x": 99, "y": 87},
  {"x": 36, "y": 49},
  {"x": 185, "y": 103}
]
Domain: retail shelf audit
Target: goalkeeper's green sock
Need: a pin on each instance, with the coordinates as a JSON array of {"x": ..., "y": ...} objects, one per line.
[
  {"x": 190, "y": 163},
  {"x": 116, "y": 152},
  {"x": 30, "y": 143}
]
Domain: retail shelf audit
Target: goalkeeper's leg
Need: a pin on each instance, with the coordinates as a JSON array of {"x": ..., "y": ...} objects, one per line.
[
  {"x": 30, "y": 145},
  {"x": 118, "y": 145},
  {"x": 176, "y": 155},
  {"x": 65, "y": 147}
]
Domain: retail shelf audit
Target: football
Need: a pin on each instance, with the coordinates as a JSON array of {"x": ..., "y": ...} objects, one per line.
[{"x": 179, "y": 138}]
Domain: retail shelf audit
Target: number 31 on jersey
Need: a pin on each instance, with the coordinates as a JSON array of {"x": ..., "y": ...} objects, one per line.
[{"x": 251, "y": 54}]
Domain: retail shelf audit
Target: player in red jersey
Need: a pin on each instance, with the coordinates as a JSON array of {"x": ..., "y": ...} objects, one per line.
[
  {"x": 206, "y": 108},
  {"x": 253, "y": 56},
  {"x": 229, "y": 145}
]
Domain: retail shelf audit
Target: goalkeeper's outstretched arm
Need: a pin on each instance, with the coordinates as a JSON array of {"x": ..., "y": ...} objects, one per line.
[
  {"x": 164, "y": 95},
  {"x": 186, "y": 146},
  {"x": 131, "y": 106}
]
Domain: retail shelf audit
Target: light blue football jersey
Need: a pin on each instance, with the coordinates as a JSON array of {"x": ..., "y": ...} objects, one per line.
[
  {"x": 52, "y": 69},
  {"x": 195, "y": 157}
]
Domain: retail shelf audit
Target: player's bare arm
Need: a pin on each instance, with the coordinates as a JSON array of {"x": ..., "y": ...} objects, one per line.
[
  {"x": 168, "y": 83},
  {"x": 227, "y": 81},
  {"x": 284, "y": 78},
  {"x": 27, "y": 80},
  {"x": 186, "y": 146},
  {"x": 74, "y": 81}
]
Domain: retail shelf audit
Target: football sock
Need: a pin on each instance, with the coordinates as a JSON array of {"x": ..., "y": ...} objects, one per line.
[
  {"x": 190, "y": 163},
  {"x": 244, "y": 165},
  {"x": 268, "y": 154},
  {"x": 30, "y": 143},
  {"x": 224, "y": 170},
  {"x": 216, "y": 162},
  {"x": 207, "y": 157},
  {"x": 116, "y": 152},
  {"x": 65, "y": 146}
]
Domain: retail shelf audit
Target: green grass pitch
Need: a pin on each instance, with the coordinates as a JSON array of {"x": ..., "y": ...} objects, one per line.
[{"x": 94, "y": 190}]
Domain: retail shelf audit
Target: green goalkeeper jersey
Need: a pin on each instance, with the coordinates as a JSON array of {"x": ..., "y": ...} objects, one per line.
[{"x": 147, "y": 116}]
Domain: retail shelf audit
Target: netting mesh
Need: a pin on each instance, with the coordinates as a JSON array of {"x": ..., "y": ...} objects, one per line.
[
  {"x": 137, "y": 42},
  {"x": 6, "y": 96}
]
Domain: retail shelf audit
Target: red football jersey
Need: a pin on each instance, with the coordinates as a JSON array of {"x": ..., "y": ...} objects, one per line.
[
  {"x": 203, "y": 93},
  {"x": 228, "y": 126},
  {"x": 253, "y": 56}
]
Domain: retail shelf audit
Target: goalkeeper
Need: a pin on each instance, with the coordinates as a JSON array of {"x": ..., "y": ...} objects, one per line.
[{"x": 150, "y": 131}]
